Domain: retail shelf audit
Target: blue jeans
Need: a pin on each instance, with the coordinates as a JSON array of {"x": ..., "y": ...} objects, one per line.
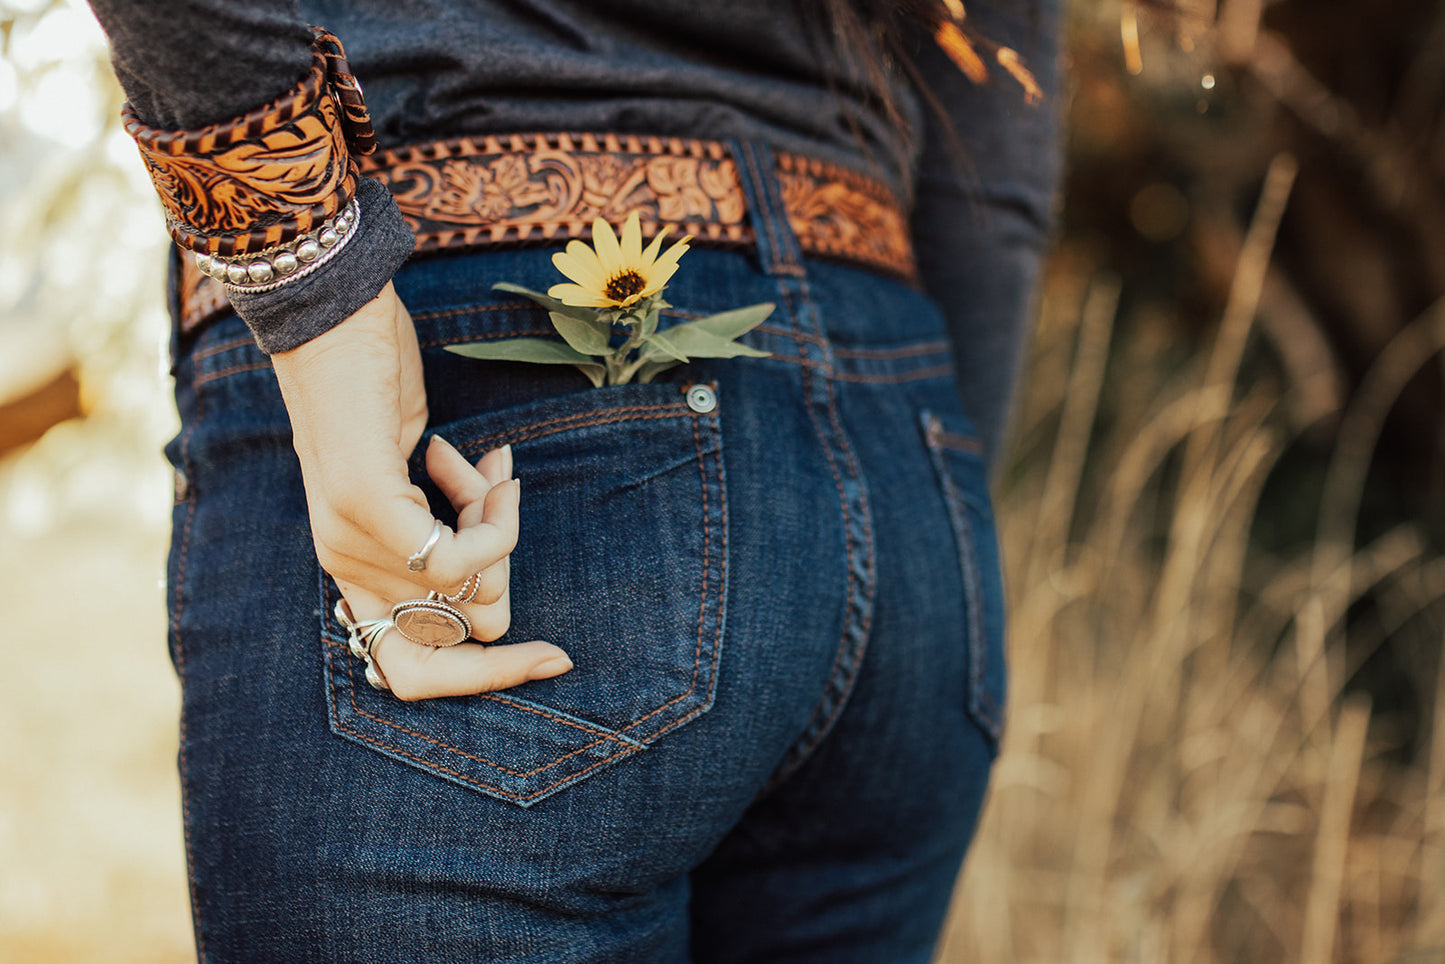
[{"x": 785, "y": 613}]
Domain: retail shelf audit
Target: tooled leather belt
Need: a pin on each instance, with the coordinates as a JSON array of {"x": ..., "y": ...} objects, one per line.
[{"x": 479, "y": 192}]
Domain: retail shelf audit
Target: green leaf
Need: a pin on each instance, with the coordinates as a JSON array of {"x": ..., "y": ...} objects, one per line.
[
  {"x": 596, "y": 374},
  {"x": 731, "y": 324},
  {"x": 649, "y": 370},
  {"x": 539, "y": 350},
  {"x": 649, "y": 323},
  {"x": 658, "y": 345},
  {"x": 587, "y": 336},
  {"x": 546, "y": 301},
  {"x": 696, "y": 342}
]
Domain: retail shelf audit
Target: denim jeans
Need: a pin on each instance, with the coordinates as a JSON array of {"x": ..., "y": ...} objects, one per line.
[{"x": 784, "y": 610}]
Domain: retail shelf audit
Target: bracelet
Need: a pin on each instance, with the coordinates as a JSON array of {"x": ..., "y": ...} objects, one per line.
[
  {"x": 274, "y": 176},
  {"x": 272, "y": 267}
]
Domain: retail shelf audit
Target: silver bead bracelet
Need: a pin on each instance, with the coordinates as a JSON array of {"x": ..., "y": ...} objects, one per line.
[{"x": 273, "y": 267}]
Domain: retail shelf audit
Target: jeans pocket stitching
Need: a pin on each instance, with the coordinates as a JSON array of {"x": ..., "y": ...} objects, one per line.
[
  {"x": 604, "y": 735},
  {"x": 982, "y": 703},
  {"x": 706, "y": 446}
]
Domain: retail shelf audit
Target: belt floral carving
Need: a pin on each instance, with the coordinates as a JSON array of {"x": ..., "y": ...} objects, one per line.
[{"x": 546, "y": 189}]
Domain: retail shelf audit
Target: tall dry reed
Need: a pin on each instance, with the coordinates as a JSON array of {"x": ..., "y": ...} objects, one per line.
[{"x": 1186, "y": 775}]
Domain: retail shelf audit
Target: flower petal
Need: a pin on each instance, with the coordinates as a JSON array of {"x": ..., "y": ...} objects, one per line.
[
  {"x": 580, "y": 264},
  {"x": 657, "y": 278},
  {"x": 670, "y": 256},
  {"x": 632, "y": 240},
  {"x": 609, "y": 253},
  {"x": 650, "y": 255},
  {"x": 578, "y": 296}
]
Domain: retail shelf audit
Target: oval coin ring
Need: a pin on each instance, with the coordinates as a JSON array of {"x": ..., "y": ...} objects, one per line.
[{"x": 431, "y": 622}]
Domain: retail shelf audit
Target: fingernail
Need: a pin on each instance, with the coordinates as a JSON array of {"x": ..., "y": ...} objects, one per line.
[
  {"x": 548, "y": 668},
  {"x": 519, "y": 490},
  {"x": 438, "y": 438},
  {"x": 507, "y": 460}
]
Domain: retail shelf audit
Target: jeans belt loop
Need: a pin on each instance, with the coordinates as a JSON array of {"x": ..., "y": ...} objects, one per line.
[
  {"x": 490, "y": 191},
  {"x": 773, "y": 238}
]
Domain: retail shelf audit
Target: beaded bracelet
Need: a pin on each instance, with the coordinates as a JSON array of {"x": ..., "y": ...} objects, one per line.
[
  {"x": 270, "y": 195},
  {"x": 272, "y": 267}
]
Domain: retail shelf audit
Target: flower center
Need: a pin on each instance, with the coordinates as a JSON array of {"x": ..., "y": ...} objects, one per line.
[{"x": 624, "y": 285}]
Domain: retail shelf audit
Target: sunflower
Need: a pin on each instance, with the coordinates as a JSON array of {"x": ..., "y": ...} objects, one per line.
[{"x": 615, "y": 275}]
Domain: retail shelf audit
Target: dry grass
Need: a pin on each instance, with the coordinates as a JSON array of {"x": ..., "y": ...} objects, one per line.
[{"x": 1186, "y": 777}]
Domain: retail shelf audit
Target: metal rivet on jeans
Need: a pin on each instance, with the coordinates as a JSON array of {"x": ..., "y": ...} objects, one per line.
[{"x": 701, "y": 399}]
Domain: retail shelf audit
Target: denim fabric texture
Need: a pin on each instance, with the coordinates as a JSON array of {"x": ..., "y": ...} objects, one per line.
[{"x": 785, "y": 615}]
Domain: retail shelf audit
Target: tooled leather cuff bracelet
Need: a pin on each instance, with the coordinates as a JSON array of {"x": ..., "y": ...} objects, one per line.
[{"x": 268, "y": 196}]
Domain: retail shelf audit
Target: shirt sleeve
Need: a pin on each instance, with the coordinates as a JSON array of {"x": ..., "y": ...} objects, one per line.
[
  {"x": 984, "y": 205},
  {"x": 189, "y": 63}
]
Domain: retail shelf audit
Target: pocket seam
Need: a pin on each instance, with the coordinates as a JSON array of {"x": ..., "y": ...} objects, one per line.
[
  {"x": 584, "y": 419},
  {"x": 710, "y": 602},
  {"x": 982, "y": 703}
]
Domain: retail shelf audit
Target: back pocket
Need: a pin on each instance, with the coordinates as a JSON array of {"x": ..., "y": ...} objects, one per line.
[
  {"x": 963, "y": 476},
  {"x": 621, "y": 561}
]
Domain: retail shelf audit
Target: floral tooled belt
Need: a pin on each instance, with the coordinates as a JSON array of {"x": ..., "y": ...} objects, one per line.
[{"x": 548, "y": 188}]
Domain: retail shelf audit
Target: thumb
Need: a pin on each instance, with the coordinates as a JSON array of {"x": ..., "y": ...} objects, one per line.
[{"x": 418, "y": 672}]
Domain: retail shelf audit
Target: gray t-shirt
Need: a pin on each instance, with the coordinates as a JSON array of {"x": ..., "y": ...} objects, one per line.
[{"x": 750, "y": 69}]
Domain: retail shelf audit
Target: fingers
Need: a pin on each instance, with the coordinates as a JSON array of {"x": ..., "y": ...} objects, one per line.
[
  {"x": 496, "y": 465},
  {"x": 401, "y": 526},
  {"x": 464, "y": 485},
  {"x": 491, "y": 619},
  {"x": 417, "y": 672}
]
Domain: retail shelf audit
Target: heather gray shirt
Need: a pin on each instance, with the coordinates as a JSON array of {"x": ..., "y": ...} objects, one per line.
[{"x": 749, "y": 69}]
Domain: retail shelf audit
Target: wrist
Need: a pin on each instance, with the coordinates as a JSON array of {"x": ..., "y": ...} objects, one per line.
[{"x": 270, "y": 177}]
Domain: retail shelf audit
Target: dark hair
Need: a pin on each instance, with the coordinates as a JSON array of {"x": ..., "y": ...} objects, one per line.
[{"x": 874, "y": 43}]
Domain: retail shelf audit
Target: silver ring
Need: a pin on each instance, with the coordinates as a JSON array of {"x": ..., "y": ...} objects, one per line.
[
  {"x": 431, "y": 621},
  {"x": 416, "y": 562},
  {"x": 361, "y": 639},
  {"x": 465, "y": 595}
]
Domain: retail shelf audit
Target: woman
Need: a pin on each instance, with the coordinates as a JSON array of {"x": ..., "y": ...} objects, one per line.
[{"x": 748, "y": 682}]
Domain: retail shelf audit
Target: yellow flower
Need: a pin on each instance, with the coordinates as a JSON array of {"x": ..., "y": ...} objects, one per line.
[{"x": 614, "y": 275}]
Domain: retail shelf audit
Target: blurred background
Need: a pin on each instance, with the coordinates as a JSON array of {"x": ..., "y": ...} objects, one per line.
[{"x": 1223, "y": 513}]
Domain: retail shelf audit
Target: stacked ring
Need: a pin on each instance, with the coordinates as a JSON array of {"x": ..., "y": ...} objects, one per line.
[
  {"x": 416, "y": 562},
  {"x": 362, "y": 637},
  {"x": 434, "y": 621},
  {"x": 465, "y": 595},
  {"x": 431, "y": 621}
]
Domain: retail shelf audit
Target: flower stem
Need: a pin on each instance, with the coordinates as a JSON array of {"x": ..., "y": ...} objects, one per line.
[{"x": 620, "y": 367}]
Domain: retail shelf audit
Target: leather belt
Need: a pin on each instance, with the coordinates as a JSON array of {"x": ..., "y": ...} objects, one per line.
[{"x": 480, "y": 192}]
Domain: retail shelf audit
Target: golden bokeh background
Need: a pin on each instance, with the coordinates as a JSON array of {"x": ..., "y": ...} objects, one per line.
[{"x": 1223, "y": 512}]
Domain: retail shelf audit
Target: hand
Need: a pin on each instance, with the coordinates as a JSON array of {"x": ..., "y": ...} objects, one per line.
[{"x": 358, "y": 407}]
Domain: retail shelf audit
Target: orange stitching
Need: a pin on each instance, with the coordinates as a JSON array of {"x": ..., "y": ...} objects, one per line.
[
  {"x": 802, "y": 751},
  {"x": 514, "y": 333},
  {"x": 427, "y": 764},
  {"x": 717, "y": 637},
  {"x": 351, "y": 683},
  {"x": 627, "y": 748},
  {"x": 236, "y": 369},
  {"x": 897, "y": 378},
  {"x": 467, "y": 310},
  {"x": 223, "y": 346},
  {"x": 906, "y": 351},
  {"x": 867, "y": 516},
  {"x": 184, "y": 758},
  {"x": 799, "y": 360},
  {"x": 792, "y": 332},
  {"x": 605, "y": 417},
  {"x": 843, "y": 506},
  {"x": 706, "y": 541},
  {"x": 605, "y": 735},
  {"x": 766, "y": 215}
]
